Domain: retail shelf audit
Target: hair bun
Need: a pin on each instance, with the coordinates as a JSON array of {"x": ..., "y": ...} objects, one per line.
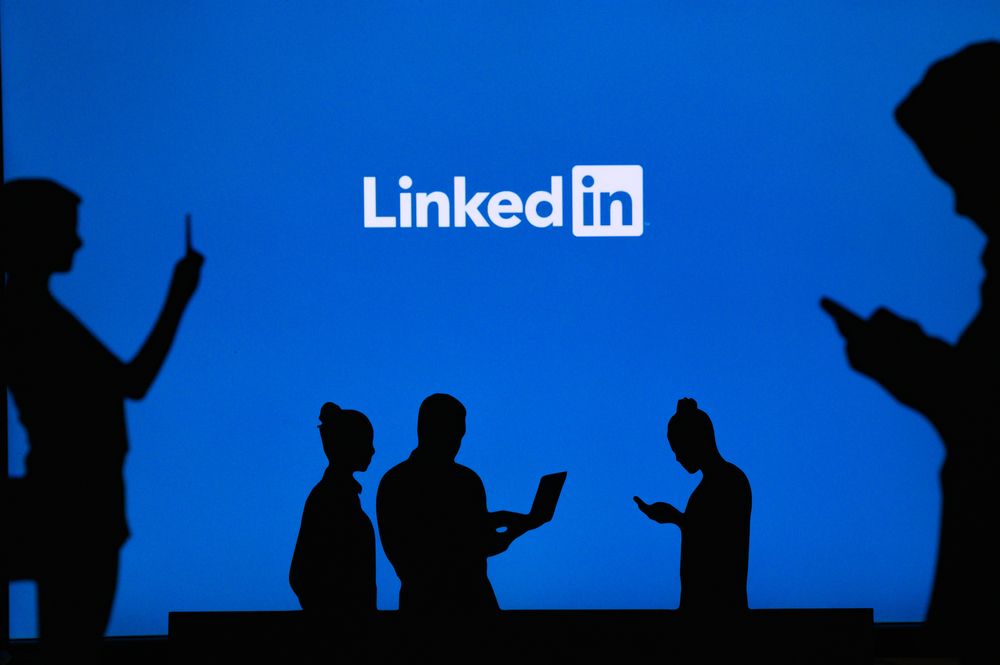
[
  {"x": 327, "y": 412},
  {"x": 686, "y": 405}
]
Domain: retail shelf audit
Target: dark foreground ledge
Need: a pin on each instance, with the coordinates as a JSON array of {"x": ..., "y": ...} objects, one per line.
[
  {"x": 894, "y": 643},
  {"x": 551, "y": 636}
]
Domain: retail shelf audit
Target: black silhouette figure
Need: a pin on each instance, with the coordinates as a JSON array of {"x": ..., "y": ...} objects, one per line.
[
  {"x": 433, "y": 521},
  {"x": 953, "y": 116},
  {"x": 67, "y": 515},
  {"x": 333, "y": 567},
  {"x": 715, "y": 526}
]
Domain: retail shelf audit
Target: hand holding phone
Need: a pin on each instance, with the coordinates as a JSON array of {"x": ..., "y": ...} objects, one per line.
[
  {"x": 660, "y": 512},
  {"x": 187, "y": 273}
]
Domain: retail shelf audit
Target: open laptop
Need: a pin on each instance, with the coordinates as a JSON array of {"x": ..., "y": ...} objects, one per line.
[{"x": 546, "y": 498}]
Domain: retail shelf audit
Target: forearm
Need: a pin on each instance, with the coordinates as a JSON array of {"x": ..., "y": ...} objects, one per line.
[
  {"x": 514, "y": 526},
  {"x": 498, "y": 543},
  {"x": 145, "y": 366}
]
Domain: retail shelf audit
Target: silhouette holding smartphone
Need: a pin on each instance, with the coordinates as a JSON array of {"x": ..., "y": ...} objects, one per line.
[
  {"x": 68, "y": 511},
  {"x": 953, "y": 116},
  {"x": 715, "y": 525}
]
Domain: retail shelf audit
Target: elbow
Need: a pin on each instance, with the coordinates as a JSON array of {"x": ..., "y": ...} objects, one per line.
[
  {"x": 135, "y": 390},
  {"x": 135, "y": 385}
]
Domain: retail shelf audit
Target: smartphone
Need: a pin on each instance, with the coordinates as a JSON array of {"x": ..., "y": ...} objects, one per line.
[{"x": 847, "y": 321}]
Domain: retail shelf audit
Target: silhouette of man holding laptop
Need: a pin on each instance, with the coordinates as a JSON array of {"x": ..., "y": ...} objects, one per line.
[{"x": 434, "y": 524}]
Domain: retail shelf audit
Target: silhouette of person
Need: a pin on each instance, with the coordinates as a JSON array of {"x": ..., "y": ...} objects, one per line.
[
  {"x": 69, "y": 390},
  {"x": 715, "y": 526},
  {"x": 435, "y": 528},
  {"x": 333, "y": 567},
  {"x": 953, "y": 116}
]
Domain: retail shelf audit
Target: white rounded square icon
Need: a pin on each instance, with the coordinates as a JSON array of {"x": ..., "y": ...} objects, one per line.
[{"x": 607, "y": 201}]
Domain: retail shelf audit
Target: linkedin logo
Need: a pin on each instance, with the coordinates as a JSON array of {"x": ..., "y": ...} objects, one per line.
[{"x": 606, "y": 202}]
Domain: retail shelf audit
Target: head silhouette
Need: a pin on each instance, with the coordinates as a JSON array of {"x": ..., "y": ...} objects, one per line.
[
  {"x": 953, "y": 115},
  {"x": 691, "y": 435},
  {"x": 441, "y": 425},
  {"x": 347, "y": 437},
  {"x": 39, "y": 227}
]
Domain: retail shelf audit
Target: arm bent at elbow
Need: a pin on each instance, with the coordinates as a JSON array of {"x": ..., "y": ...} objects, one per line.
[{"x": 142, "y": 370}]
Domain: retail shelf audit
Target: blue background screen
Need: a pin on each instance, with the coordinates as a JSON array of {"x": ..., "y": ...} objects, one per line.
[{"x": 773, "y": 174}]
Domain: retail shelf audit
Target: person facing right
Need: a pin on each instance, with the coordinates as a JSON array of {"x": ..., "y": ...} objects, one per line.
[
  {"x": 333, "y": 566},
  {"x": 435, "y": 527}
]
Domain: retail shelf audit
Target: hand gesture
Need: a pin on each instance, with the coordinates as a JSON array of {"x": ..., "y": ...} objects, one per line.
[
  {"x": 513, "y": 523},
  {"x": 884, "y": 347},
  {"x": 187, "y": 272},
  {"x": 660, "y": 512}
]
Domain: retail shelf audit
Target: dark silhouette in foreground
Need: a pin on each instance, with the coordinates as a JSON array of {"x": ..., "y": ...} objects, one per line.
[
  {"x": 559, "y": 637},
  {"x": 715, "y": 526},
  {"x": 437, "y": 533},
  {"x": 66, "y": 517},
  {"x": 333, "y": 567},
  {"x": 953, "y": 116}
]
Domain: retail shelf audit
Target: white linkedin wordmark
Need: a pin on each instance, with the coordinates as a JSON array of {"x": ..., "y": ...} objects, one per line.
[{"x": 606, "y": 202}]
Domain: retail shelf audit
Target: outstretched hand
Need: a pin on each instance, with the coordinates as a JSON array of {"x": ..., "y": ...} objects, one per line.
[
  {"x": 513, "y": 523},
  {"x": 664, "y": 513},
  {"x": 514, "y": 526},
  {"x": 882, "y": 346}
]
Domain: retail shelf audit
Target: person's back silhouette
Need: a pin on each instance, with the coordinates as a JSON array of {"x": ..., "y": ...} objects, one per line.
[
  {"x": 333, "y": 566},
  {"x": 69, "y": 390},
  {"x": 953, "y": 116},
  {"x": 715, "y": 526}
]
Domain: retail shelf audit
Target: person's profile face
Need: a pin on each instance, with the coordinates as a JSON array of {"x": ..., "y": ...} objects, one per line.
[
  {"x": 442, "y": 430},
  {"x": 978, "y": 202},
  {"x": 455, "y": 435},
  {"x": 65, "y": 241},
  {"x": 976, "y": 196},
  {"x": 684, "y": 452},
  {"x": 366, "y": 452},
  {"x": 361, "y": 448}
]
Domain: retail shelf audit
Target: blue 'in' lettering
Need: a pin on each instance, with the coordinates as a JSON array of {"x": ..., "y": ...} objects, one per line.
[{"x": 624, "y": 201}]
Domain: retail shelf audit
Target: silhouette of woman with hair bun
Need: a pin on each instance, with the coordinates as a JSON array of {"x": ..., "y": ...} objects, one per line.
[
  {"x": 715, "y": 526},
  {"x": 333, "y": 566}
]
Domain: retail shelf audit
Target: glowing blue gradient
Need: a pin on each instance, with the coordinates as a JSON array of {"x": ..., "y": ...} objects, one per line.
[{"x": 774, "y": 174}]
